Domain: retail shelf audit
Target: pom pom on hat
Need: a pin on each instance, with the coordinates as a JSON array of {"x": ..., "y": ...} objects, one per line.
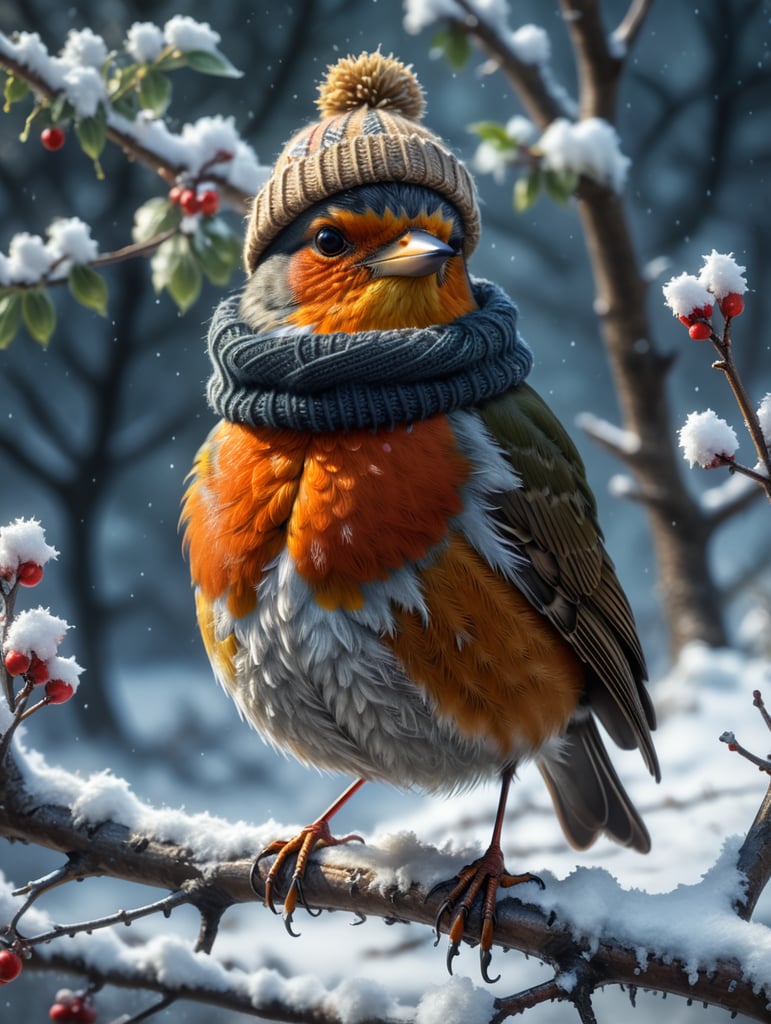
[
  {"x": 370, "y": 132},
  {"x": 371, "y": 80}
]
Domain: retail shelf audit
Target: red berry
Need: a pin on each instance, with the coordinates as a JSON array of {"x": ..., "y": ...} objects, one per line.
[
  {"x": 29, "y": 574},
  {"x": 61, "y": 1012},
  {"x": 175, "y": 193},
  {"x": 687, "y": 320},
  {"x": 700, "y": 331},
  {"x": 17, "y": 663},
  {"x": 732, "y": 304},
  {"x": 189, "y": 202},
  {"x": 37, "y": 672},
  {"x": 86, "y": 1014},
  {"x": 10, "y": 966},
  {"x": 52, "y": 139},
  {"x": 210, "y": 201},
  {"x": 58, "y": 692}
]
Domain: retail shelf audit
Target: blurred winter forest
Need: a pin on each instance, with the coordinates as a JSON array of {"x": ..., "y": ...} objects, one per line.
[{"x": 98, "y": 430}]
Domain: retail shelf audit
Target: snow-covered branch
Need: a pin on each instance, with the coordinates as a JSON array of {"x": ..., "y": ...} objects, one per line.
[
  {"x": 122, "y": 97},
  {"x": 207, "y": 863}
]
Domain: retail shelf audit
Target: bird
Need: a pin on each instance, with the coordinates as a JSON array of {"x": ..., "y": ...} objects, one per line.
[{"x": 397, "y": 586}]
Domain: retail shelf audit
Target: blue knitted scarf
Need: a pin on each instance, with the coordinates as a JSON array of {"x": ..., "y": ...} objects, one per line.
[{"x": 325, "y": 382}]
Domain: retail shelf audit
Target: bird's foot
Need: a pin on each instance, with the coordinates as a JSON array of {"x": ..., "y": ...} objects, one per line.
[
  {"x": 314, "y": 836},
  {"x": 482, "y": 879}
]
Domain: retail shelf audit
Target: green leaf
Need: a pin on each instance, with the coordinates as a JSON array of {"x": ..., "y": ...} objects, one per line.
[
  {"x": 126, "y": 107},
  {"x": 39, "y": 314},
  {"x": 92, "y": 133},
  {"x": 560, "y": 185},
  {"x": 154, "y": 217},
  {"x": 211, "y": 62},
  {"x": 9, "y": 318},
  {"x": 175, "y": 268},
  {"x": 454, "y": 44},
  {"x": 154, "y": 91},
  {"x": 218, "y": 250},
  {"x": 492, "y": 131},
  {"x": 88, "y": 288},
  {"x": 526, "y": 191},
  {"x": 15, "y": 89}
]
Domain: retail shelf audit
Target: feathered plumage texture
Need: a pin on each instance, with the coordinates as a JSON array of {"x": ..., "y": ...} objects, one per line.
[{"x": 398, "y": 566}]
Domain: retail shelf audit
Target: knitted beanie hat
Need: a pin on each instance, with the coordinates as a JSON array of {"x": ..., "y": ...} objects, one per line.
[{"x": 370, "y": 131}]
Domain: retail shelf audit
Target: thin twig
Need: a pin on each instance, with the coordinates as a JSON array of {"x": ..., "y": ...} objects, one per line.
[
  {"x": 164, "y": 906},
  {"x": 542, "y": 105},
  {"x": 726, "y": 365},
  {"x": 630, "y": 25}
]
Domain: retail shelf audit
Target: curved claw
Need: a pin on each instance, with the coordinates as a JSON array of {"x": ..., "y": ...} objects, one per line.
[
  {"x": 288, "y": 925},
  {"x": 297, "y": 885},
  {"x": 485, "y": 959},
  {"x": 444, "y": 908},
  {"x": 453, "y": 950}
]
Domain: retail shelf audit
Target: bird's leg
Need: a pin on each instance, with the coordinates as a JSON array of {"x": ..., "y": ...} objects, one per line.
[
  {"x": 313, "y": 836},
  {"x": 484, "y": 877}
]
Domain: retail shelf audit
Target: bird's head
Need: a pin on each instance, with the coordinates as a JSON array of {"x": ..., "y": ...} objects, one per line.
[{"x": 376, "y": 257}]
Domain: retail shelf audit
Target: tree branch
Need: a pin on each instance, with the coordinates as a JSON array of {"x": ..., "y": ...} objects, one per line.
[
  {"x": 238, "y": 199},
  {"x": 540, "y": 102},
  {"x": 631, "y": 24},
  {"x": 113, "y": 849}
]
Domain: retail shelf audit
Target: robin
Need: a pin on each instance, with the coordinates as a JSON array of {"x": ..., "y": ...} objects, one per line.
[{"x": 398, "y": 569}]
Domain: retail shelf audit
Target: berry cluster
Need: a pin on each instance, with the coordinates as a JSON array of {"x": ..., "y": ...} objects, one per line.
[
  {"x": 75, "y": 1007},
  {"x": 26, "y": 663},
  {"x": 192, "y": 201},
  {"x": 692, "y": 299},
  {"x": 697, "y": 322}
]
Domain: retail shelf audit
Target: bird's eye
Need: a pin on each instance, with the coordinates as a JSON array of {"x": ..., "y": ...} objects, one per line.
[{"x": 329, "y": 242}]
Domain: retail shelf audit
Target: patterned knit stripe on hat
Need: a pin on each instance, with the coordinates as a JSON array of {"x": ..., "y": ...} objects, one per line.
[{"x": 370, "y": 132}]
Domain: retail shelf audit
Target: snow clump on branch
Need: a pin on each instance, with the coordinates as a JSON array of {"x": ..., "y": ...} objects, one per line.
[
  {"x": 84, "y": 48},
  {"x": 419, "y": 14},
  {"x": 721, "y": 275},
  {"x": 23, "y": 540},
  {"x": 706, "y": 439},
  {"x": 144, "y": 41},
  {"x": 188, "y": 35},
  {"x": 686, "y": 293},
  {"x": 764, "y": 418},
  {"x": 30, "y": 260},
  {"x": 590, "y": 147}
]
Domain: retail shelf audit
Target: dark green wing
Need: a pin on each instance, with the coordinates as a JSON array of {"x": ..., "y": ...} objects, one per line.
[{"x": 551, "y": 520}]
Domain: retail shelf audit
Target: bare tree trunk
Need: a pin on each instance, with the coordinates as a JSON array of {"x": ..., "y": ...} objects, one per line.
[{"x": 679, "y": 528}]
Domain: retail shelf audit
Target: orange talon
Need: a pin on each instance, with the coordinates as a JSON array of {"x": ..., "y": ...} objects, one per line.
[
  {"x": 314, "y": 836},
  {"x": 486, "y": 875}
]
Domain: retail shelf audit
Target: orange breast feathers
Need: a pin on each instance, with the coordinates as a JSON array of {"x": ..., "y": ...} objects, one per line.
[
  {"x": 494, "y": 665},
  {"x": 350, "y": 507}
]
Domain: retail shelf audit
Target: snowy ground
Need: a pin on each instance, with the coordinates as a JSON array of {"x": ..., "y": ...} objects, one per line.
[{"x": 707, "y": 795}]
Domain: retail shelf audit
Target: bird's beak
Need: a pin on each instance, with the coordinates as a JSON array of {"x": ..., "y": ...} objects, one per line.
[{"x": 416, "y": 253}]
